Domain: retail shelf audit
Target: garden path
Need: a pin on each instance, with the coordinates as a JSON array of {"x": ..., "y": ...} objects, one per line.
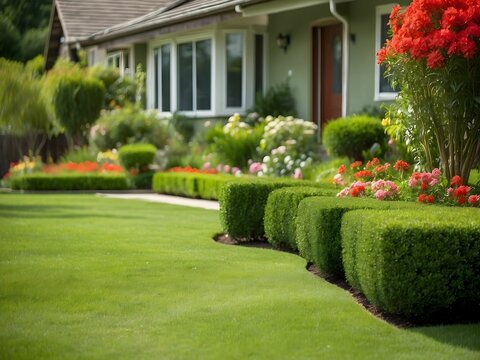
[{"x": 167, "y": 199}]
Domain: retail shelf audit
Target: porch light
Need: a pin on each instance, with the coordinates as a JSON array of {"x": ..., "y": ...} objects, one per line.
[{"x": 283, "y": 41}]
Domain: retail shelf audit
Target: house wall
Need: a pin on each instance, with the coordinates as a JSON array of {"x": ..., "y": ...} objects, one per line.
[
  {"x": 363, "y": 52},
  {"x": 295, "y": 64}
]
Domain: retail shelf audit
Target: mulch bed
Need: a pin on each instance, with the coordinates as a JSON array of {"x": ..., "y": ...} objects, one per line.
[{"x": 463, "y": 316}]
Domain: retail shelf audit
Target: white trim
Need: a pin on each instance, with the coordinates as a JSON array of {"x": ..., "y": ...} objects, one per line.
[
  {"x": 379, "y": 12},
  {"x": 121, "y": 60},
  {"x": 277, "y": 6}
]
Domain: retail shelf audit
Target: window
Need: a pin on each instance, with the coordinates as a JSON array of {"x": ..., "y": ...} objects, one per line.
[
  {"x": 120, "y": 60},
  {"x": 234, "y": 66},
  {"x": 259, "y": 63},
  {"x": 162, "y": 64},
  {"x": 194, "y": 75},
  {"x": 383, "y": 90}
]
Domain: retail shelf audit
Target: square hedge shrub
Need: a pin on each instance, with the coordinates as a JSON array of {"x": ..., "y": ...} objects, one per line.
[
  {"x": 414, "y": 263},
  {"x": 281, "y": 214},
  {"x": 318, "y": 227},
  {"x": 242, "y": 205},
  {"x": 67, "y": 182}
]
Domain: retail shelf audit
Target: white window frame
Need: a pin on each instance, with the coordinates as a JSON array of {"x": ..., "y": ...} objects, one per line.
[
  {"x": 173, "y": 67},
  {"x": 121, "y": 55},
  {"x": 242, "y": 108},
  {"x": 174, "y": 42},
  {"x": 380, "y": 11}
]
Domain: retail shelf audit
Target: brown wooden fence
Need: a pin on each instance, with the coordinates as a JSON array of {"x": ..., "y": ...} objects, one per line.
[{"x": 13, "y": 148}]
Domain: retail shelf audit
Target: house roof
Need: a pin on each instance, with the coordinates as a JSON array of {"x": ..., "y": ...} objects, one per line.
[
  {"x": 178, "y": 11},
  {"x": 82, "y": 18}
]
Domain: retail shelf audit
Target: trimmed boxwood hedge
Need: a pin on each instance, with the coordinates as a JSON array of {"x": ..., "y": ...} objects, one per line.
[
  {"x": 414, "y": 263},
  {"x": 50, "y": 182},
  {"x": 318, "y": 227},
  {"x": 136, "y": 156},
  {"x": 242, "y": 205},
  {"x": 281, "y": 214},
  {"x": 204, "y": 186}
]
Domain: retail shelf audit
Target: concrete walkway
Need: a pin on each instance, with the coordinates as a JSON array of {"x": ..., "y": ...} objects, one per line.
[{"x": 167, "y": 199}]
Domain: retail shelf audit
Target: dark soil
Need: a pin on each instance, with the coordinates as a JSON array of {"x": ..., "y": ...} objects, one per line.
[{"x": 463, "y": 314}]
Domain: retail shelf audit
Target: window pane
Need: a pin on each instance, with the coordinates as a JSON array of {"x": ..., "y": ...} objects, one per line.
[
  {"x": 258, "y": 63},
  {"x": 234, "y": 69},
  {"x": 337, "y": 65},
  {"x": 384, "y": 35},
  {"x": 185, "y": 77},
  {"x": 165, "y": 58},
  {"x": 157, "y": 75},
  {"x": 203, "y": 54}
]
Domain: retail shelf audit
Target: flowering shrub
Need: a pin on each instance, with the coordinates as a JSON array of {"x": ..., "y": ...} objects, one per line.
[
  {"x": 188, "y": 169},
  {"x": 288, "y": 145},
  {"x": 384, "y": 182},
  {"x": 25, "y": 166},
  {"x": 433, "y": 59},
  {"x": 83, "y": 167},
  {"x": 236, "y": 142}
]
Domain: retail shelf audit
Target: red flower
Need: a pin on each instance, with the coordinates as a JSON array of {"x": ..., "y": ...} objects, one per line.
[
  {"x": 341, "y": 169},
  {"x": 401, "y": 166},
  {"x": 430, "y": 199},
  {"x": 372, "y": 163},
  {"x": 382, "y": 168},
  {"x": 422, "y": 198},
  {"x": 456, "y": 181},
  {"x": 355, "y": 164},
  {"x": 461, "y": 191},
  {"x": 461, "y": 200},
  {"x": 424, "y": 185},
  {"x": 474, "y": 200},
  {"x": 363, "y": 174}
]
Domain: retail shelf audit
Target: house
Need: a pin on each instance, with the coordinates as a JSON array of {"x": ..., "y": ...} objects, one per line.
[{"x": 208, "y": 58}]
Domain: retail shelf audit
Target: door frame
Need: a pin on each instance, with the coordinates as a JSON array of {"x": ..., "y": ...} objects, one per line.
[{"x": 315, "y": 61}]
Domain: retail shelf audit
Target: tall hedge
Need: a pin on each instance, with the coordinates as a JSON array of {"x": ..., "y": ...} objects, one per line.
[
  {"x": 281, "y": 214},
  {"x": 318, "y": 227},
  {"x": 414, "y": 263}
]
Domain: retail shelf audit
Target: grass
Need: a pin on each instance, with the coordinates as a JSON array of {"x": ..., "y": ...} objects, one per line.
[{"x": 88, "y": 277}]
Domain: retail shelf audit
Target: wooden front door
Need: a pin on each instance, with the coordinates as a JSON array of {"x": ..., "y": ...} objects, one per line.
[{"x": 327, "y": 73}]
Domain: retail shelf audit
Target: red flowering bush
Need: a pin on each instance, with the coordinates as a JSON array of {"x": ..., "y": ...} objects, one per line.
[
  {"x": 188, "y": 169},
  {"x": 82, "y": 167},
  {"x": 433, "y": 58}
]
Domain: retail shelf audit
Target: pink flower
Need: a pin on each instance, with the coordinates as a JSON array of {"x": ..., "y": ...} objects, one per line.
[
  {"x": 433, "y": 182},
  {"x": 206, "y": 166},
  {"x": 343, "y": 193},
  {"x": 474, "y": 200},
  {"x": 255, "y": 167},
  {"x": 226, "y": 169},
  {"x": 338, "y": 180},
  {"x": 236, "y": 170},
  {"x": 298, "y": 174},
  {"x": 380, "y": 194},
  {"x": 436, "y": 173}
]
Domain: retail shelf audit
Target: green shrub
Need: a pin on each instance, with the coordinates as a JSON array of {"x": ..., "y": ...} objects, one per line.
[
  {"x": 142, "y": 180},
  {"x": 277, "y": 101},
  {"x": 351, "y": 136},
  {"x": 318, "y": 227},
  {"x": 127, "y": 126},
  {"x": 281, "y": 214},
  {"x": 242, "y": 205},
  {"x": 414, "y": 263},
  {"x": 203, "y": 186},
  {"x": 136, "y": 156},
  {"x": 49, "y": 182}
]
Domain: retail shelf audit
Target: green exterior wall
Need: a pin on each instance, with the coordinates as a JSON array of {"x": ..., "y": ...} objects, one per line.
[{"x": 361, "y": 17}]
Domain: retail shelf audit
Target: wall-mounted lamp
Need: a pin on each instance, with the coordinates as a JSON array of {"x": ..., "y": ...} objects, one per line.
[{"x": 283, "y": 41}]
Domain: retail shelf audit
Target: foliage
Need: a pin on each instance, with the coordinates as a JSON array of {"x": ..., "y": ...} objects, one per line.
[
  {"x": 72, "y": 181},
  {"x": 76, "y": 99},
  {"x": 119, "y": 91},
  {"x": 433, "y": 59},
  {"x": 204, "y": 186},
  {"x": 23, "y": 111},
  {"x": 9, "y": 39},
  {"x": 318, "y": 234},
  {"x": 183, "y": 126},
  {"x": 352, "y": 136},
  {"x": 277, "y": 101},
  {"x": 127, "y": 126},
  {"x": 414, "y": 263},
  {"x": 137, "y": 156},
  {"x": 33, "y": 43},
  {"x": 281, "y": 214},
  {"x": 79, "y": 155},
  {"x": 242, "y": 205},
  {"x": 235, "y": 143}
]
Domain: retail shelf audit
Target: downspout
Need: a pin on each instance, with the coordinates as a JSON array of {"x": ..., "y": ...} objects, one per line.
[{"x": 333, "y": 10}]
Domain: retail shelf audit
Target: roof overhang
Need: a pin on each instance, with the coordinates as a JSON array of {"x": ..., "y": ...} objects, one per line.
[{"x": 276, "y": 6}]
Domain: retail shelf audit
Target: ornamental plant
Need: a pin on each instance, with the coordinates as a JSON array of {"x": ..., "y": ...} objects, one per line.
[{"x": 433, "y": 59}]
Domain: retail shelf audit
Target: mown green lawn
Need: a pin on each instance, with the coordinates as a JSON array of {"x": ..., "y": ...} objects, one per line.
[{"x": 88, "y": 277}]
